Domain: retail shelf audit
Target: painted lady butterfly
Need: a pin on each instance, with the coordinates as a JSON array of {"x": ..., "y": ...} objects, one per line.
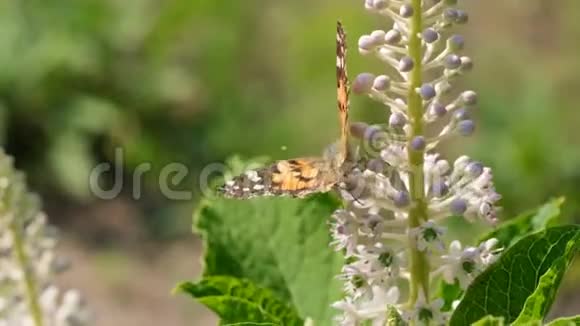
[{"x": 303, "y": 176}]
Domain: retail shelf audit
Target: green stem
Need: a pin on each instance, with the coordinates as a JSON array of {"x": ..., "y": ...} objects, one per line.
[
  {"x": 418, "y": 212},
  {"x": 29, "y": 280}
]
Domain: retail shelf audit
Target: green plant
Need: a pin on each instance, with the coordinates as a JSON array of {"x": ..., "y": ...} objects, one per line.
[{"x": 391, "y": 251}]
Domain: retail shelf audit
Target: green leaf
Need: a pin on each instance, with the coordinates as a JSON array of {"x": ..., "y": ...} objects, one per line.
[
  {"x": 240, "y": 301},
  {"x": 277, "y": 243},
  {"x": 566, "y": 321},
  {"x": 449, "y": 293},
  {"x": 534, "y": 220},
  {"x": 502, "y": 289},
  {"x": 490, "y": 321},
  {"x": 538, "y": 304}
]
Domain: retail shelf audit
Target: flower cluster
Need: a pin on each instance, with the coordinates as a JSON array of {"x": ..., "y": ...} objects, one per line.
[
  {"x": 27, "y": 261},
  {"x": 396, "y": 198}
]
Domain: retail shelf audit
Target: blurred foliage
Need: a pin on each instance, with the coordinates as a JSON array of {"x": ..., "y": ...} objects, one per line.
[{"x": 198, "y": 81}]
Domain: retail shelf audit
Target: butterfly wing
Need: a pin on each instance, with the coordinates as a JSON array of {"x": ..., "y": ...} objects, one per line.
[
  {"x": 342, "y": 89},
  {"x": 296, "y": 178}
]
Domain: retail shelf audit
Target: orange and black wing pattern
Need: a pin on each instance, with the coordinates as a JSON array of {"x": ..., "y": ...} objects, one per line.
[{"x": 295, "y": 178}]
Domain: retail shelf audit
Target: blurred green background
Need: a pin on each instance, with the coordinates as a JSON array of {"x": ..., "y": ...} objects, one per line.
[{"x": 198, "y": 81}]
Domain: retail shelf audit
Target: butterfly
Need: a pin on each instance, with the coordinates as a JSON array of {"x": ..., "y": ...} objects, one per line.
[{"x": 300, "y": 177}]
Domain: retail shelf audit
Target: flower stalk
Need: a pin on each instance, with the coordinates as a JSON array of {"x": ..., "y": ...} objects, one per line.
[
  {"x": 418, "y": 212},
  {"x": 400, "y": 190},
  {"x": 29, "y": 279}
]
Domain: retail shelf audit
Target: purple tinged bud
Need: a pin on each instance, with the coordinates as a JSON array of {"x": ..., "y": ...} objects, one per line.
[
  {"x": 437, "y": 109},
  {"x": 461, "y": 162},
  {"x": 427, "y": 92},
  {"x": 406, "y": 64},
  {"x": 378, "y": 36},
  {"x": 462, "y": 17},
  {"x": 458, "y": 206},
  {"x": 450, "y": 15},
  {"x": 466, "y": 127},
  {"x": 380, "y": 4},
  {"x": 369, "y": 5},
  {"x": 475, "y": 169},
  {"x": 382, "y": 83},
  {"x": 373, "y": 133},
  {"x": 456, "y": 43},
  {"x": 397, "y": 120},
  {"x": 442, "y": 167},
  {"x": 366, "y": 42},
  {"x": 439, "y": 189},
  {"x": 452, "y": 61},
  {"x": 430, "y": 35},
  {"x": 406, "y": 11},
  {"x": 469, "y": 97},
  {"x": 466, "y": 63},
  {"x": 357, "y": 129},
  {"x": 376, "y": 165},
  {"x": 418, "y": 143},
  {"x": 401, "y": 199},
  {"x": 363, "y": 83},
  {"x": 393, "y": 37},
  {"x": 461, "y": 114}
]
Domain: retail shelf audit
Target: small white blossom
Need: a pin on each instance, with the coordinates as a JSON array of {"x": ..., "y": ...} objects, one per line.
[
  {"x": 374, "y": 309},
  {"x": 464, "y": 265},
  {"x": 424, "y": 313},
  {"x": 428, "y": 236}
]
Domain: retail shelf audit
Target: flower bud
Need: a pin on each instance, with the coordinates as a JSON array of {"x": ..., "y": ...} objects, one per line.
[
  {"x": 366, "y": 42},
  {"x": 469, "y": 97},
  {"x": 466, "y": 64},
  {"x": 382, "y": 83},
  {"x": 397, "y": 120},
  {"x": 461, "y": 114},
  {"x": 357, "y": 129},
  {"x": 376, "y": 165},
  {"x": 430, "y": 35},
  {"x": 427, "y": 92},
  {"x": 439, "y": 189},
  {"x": 378, "y": 37},
  {"x": 475, "y": 169},
  {"x": 401, "y": 199},
  {"x": 418, "y": 143},
  {"x": 462, "y": 17},
  {"x": 437, "y": 109},
  {"x": 393, "y": 37},
  {"x": 379, "y": 4},
  {"x": 406, "y": 11},
  {"x": 466, "y": 127},
  {"x": 406, "y": 64},
  {"x": 452, "y": 61},
  {"x": 363, "y": 83},
  {"x": 450, "y": 15},
  {"x": 458, "y": 206},
  {"x": 456, "y": 43}
]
